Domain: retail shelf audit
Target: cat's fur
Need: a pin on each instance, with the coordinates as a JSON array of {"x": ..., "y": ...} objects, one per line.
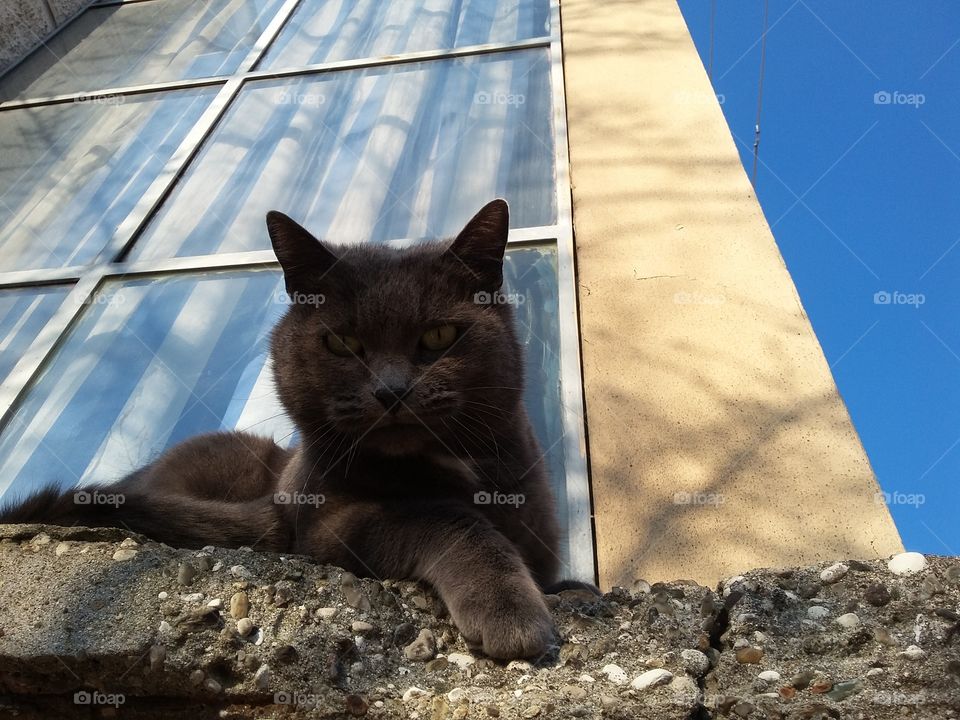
[{"x": 396, "y": 440}]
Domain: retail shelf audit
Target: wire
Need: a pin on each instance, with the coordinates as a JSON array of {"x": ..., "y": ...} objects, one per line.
[
  {"x": 763, "y": 63},
  {"x": 713, "y": 15}
]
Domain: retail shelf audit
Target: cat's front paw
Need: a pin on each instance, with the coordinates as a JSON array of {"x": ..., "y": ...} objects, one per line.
[{"x": 510, "y": 624}]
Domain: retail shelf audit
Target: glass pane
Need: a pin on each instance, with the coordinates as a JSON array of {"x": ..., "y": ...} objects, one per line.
[
  {"x": 23, "y": 313},
  {"x": 325, "y": 31},
  {"x": 142, "y": 43},
  {"x": 408, "y": 151},
  {"x": 152, "y": 362},
  {"x": 155, "y": 361},
  {"x": 72, "y": 172}
]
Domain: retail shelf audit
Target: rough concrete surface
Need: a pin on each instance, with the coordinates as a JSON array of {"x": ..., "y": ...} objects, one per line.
[{"x": 101, "y": 623}]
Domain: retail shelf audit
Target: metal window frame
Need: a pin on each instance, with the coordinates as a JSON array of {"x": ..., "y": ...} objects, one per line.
[{"x": 109, "y": 264}]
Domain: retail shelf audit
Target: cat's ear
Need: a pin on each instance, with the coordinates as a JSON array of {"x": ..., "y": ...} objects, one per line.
[
  {"x": 304, "y": 259},
  {"x": 479, "y": 247}
]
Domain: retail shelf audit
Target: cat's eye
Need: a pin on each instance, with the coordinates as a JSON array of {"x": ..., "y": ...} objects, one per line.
[
  {"x": 343, "y": 345},
  {"x": 439, "y": 338}
]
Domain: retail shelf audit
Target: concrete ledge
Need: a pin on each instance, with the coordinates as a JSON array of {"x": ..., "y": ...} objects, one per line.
[{"x": 122, "y": 620}]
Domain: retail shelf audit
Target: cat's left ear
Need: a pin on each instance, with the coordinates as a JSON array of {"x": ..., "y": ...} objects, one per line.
[
  {"x": 479, "y": 247},
  {"x": 304, "y": 259}
]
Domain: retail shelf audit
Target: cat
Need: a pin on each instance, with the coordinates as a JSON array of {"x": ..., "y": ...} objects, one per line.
[{"x": 407, "y": 392}]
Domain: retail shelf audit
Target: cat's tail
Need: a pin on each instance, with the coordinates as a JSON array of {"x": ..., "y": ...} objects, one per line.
[{"x": 172, "y": 519}]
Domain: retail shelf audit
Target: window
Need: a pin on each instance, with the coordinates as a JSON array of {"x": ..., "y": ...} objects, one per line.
[{"x": 142, "y": 147}]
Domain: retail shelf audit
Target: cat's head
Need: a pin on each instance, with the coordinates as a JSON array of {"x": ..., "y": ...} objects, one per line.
[{"x": 401, "y": 347}]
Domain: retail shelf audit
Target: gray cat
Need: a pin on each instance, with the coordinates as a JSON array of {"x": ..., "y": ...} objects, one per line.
[{"x": 407, "y": 394}]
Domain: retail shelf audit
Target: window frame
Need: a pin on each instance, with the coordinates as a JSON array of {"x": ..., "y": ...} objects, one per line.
[{"x": 110, "y": 265}]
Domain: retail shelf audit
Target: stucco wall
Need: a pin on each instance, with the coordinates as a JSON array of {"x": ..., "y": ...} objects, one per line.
[
  {"x": 26, "y": 23},
  {"x": 718, "y": 440}
]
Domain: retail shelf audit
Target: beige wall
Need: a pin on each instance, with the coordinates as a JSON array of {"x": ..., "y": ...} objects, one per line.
[
  {"x": 26, "y": 23},
  {"x": 702, "y": 373}
]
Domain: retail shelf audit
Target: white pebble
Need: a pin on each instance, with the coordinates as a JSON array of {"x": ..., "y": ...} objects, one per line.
[
  {"x": 461, "y": 660},
  {"x": 165, "y": 626},
  {"x": 907, "y": 563},
  {"x": 327, "y": 613},
  {"x": 218, "y": 565},
  {"x": 129, "y": 542},
  {"x": 216, "y": 603},
  {"x": 769, "y": 676},
  {"x": 913, "y": 653},
  {"x": 162, "y": 595},
  {"x": 456, "y": 695},
  {"x": 193, "y": 598},
  {"x": 848, "y": 620},
  {"x": 817, "y": 612},
  {"x": 873, "y": 672},
  {"x": 615, "y": 674},
  {"x": 261, "y": 678},
  {"x": 728, "y": 584},
  {"x": 586, "y": 678},
  {"x": 240, "y": 571},
  {"x": 244, "y": 626},
  {"x": 651, "y": 678},
  {"x": 834, "y": 573},
  {"x": 695, "y": 662},
  {"x": 414, "y": 692}
]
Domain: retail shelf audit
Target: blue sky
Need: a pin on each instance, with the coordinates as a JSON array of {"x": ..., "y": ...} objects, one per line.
[{"x": 859, "y": 177}]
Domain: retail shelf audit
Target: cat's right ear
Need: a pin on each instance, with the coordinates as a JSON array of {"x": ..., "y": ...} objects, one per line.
[{"x": 304, "y": 258}]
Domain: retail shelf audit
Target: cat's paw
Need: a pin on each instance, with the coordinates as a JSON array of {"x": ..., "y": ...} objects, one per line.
[{"x": 511, "y": 624}]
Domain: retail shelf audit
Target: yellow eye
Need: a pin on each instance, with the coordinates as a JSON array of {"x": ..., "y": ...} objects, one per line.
[
  {"x": 439, "y": 338},
  {"x": 343, "y": 345}
]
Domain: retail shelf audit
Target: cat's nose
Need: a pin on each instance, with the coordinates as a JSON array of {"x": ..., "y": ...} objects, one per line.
[{"x": 390, "y": 397}]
